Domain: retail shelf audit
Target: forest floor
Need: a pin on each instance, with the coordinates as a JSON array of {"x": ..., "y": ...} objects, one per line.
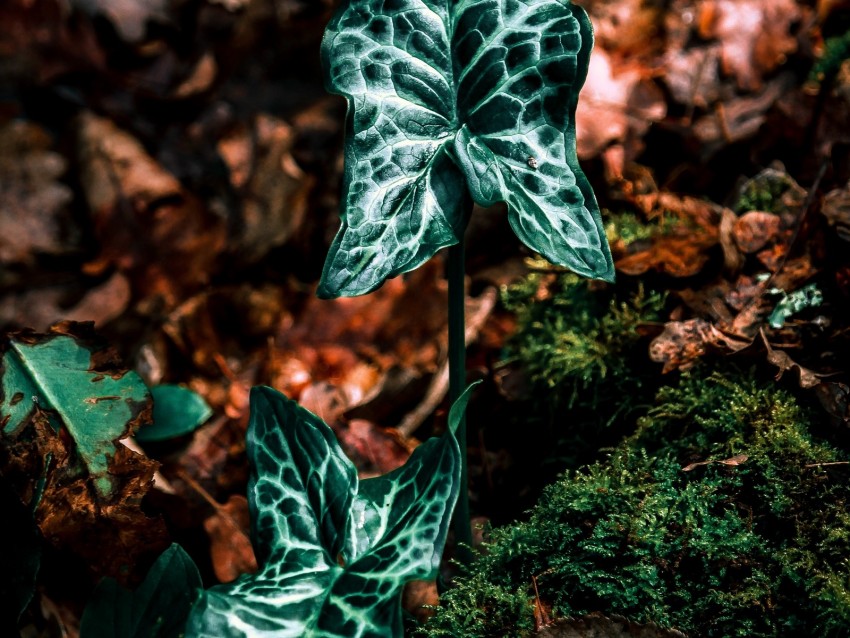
[{"x": 170, "y": 170}]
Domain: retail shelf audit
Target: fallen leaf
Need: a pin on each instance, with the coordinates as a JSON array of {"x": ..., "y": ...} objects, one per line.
[
  {"x": 84, "y": 489},
  {"x": 755, "y": 229},
  {"x": 130, "y": 17},
  {"x": 419, "y": 598},
  {"x": 34, "y": 215},
  {"x": 755, "y": 35},
  {"x": 682, "y": 343},
  {"x": 148, "y": 226},
  {"x": 274, "y": 189},
  {"x": 616, "y": 103},
  {"x": 230, "y": 543},
  {"x": 679, "y": 256},
  {"x": 782, "y": 360},
  {"x": 738, "y": 459}
]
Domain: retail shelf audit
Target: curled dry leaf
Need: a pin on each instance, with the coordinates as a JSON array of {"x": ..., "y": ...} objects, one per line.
[
  {"x": 682, "y": 256},
  {"x": 682, "y": 343},
  {"x": 738, "y": 459},
  {"x": 784, "y": 363}
]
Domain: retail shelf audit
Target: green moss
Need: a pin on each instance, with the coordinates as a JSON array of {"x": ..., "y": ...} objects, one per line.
[
  {"x": 835, "y": 51},
  {"x": 579, "y": 342},
  {"x": 757, "y": 549},
  {"x": 765, "y": 192},
  {"x": 628, "y": 227}
]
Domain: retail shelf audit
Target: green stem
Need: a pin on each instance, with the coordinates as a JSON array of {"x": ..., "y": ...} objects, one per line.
[{"x": 457, "y": 383}]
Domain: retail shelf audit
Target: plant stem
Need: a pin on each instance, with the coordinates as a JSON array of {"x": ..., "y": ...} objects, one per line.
[{"x": 457, "y": 383}]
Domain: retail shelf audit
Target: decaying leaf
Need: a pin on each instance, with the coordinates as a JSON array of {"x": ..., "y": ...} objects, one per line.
[
  {"x": 755, "y": 229},
  {"x": 755, "y": 35},
  {"x": 64, "y": 406},
  {"x": 682, "y": 343}
]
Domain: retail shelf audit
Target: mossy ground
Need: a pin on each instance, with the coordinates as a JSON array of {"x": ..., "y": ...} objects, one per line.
[{"x": 756, "y": 549}]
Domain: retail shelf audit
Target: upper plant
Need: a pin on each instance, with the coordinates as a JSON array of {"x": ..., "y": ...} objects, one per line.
[{"x": 450, "y": 96}]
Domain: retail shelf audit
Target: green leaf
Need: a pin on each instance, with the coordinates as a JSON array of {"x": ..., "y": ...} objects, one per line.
[
  {"x": 808, "y": 296},
  {"x": 449, "y": 96},
  {"x": 56, "y": 373},
  {"x": 157, "y": 609},
  {"x": 176, "y": 411},
  {"x": 334, "y": 552}
]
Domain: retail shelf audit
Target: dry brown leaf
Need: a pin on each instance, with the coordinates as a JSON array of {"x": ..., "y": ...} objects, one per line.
[
  {"x": 41, "y": 465},
  {"x": 34, "y": 215},
  {"x": 677, "y": 256},
  {"x": 419, "y": 597},
  {"x": 616, "y": 104},
  {"x": 147, "y": 225},
  {"x": 374, "y": 450},
  {"x": 784, "y": 363},
  {"x": 274, "y": 189},
  {"x": 755, "y": 229},
  {"x": 755, "y": 35},
  {"x": 682, "y": 343},
  {"x": 738, "y": 459},
  {"x": 733, "y": 260},
  {"x": 738, "y": 118},
  {"x": 230, "y": 544}
]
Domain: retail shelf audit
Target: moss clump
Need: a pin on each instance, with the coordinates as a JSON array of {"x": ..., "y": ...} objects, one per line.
[
  {"x": 756, "y": 549},
  {"x": 836, "y": 50},
  {"x": 580, "y": 342}
]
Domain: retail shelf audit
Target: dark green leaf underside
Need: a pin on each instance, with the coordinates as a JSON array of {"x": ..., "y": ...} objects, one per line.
[
  {"x": 157, "y": 609},
  {"x": 176, "y": 411}
]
